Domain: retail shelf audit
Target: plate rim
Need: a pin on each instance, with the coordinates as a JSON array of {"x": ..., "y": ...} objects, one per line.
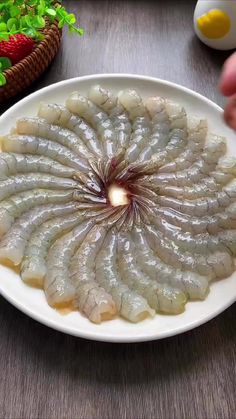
[
  {"x": 116, "y": 338},
  {"x": 92, "y": 335},
  {"x": 115, "y": 75}
]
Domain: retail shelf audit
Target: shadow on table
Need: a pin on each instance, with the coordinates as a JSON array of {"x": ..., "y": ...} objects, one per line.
[
  {"x": 203, "y": 66},
  {"x": 117, "y": 363},
  {"x": 208, "y": 55}
]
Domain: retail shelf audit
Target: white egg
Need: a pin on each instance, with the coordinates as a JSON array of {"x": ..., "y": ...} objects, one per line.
[{"x": 215, "y": 23}]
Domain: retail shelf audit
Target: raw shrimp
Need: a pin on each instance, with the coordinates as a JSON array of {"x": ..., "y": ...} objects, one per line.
[
  {"x": 91, "y": 299},
  {"x": 199, "y": 206},
  {"x": 130, "y": 305},
  {"x": 41, "y": 146},
  {"x": 15, "y": 184},
  {"x": 15, "y": 240},
  {"x": 33, "y": 266},
  {"x": 197, "y": 225},
  {"x": 107, "y": 101},
  {"x": 141, "y": 131},
  {"x": 198, "y": 171},
  {"x": 39, "y": 127},
  {"x": 227, "y": 165},
  {"x": 60, "y": 115},
  {"x": 171, "y": 236},
  {"x": 58, "y": 288},
  {"x": 168, "y": 118},
  {"x": 218, "y": 264},
  {"x": 16, "y": 205},
  {"x": 99, "y": 120},
  {"x": 103, "y": 98},
  {"x": 132, "y": 102},
  {"x": 205, "y": 188},
  {"x": 191, "y": 283},
  {"x": 197, "y": 131},
  {"x": 12, "y": 163},
  {"x": 160, "y": 297}
]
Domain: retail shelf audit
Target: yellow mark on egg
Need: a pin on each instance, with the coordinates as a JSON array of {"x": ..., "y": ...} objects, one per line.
[{"x": 215, "y": 24}]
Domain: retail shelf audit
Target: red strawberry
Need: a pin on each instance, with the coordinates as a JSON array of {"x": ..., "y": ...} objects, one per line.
[{"x": 16, "y": 48}]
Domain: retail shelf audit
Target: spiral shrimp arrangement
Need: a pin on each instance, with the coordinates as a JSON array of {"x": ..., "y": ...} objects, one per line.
[{"x": 116, "y": 206}]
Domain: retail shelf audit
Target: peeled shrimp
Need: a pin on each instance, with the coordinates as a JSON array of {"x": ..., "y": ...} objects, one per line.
[
  {"x": 99, "y": 120},
  {"x": 33, "y": 266},
  {"x": 59, "y": 290},
  {"x": 218, "y": 264},
  {"x": 39, "y": 127},
  {"x": 173, "y": 234},
  {"x": 60, "y": 115},
  {"x": 130, "y": 305},
  {"x": 12, "y": 163},
  {"x": 15, "y": 184},
  {"x": 191, "y": 283},
  {"x": 41, "y": 146},
  {"x": 197, "y": 131},
  {"x": 15, "y": 240},
  {"x": 16, "y": 205},
  {"x": 91, "y": 299},
  {"x": 160, "y": 297}
]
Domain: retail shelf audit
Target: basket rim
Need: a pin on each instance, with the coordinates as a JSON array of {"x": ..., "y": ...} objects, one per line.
[{"x": 47, "y": 33}]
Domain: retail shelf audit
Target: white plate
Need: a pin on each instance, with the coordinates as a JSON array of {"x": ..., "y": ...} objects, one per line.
[{"x": 32, "y": 301}]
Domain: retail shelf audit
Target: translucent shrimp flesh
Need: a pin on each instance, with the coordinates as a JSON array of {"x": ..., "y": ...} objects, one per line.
[
  {"x": 16, "y": 205},
  {"x": 91, "y": 299},
  {"x": 170, "y": 236},
  {"x": 12, "y": 163},
  {"x": 130, "y": 305},
  {"x": 99, "y": 120},
  {"x": 15, "y": 240},
  {"x": 160, "y": 297},
  {"x": 60, "y": 115}
]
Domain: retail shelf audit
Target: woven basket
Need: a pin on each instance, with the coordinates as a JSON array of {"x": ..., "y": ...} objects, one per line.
[{"x": 23, "y": 74}]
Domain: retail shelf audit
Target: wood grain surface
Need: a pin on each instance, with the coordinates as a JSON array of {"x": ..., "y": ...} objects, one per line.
[{"x": 46, "y": 374}]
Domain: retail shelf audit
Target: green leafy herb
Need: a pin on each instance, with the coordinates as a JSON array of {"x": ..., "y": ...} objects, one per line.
[
  {"x": 2, "y": 79},
  {"x": 28, "y": 17},
  {"x": 5, "y": 63}
]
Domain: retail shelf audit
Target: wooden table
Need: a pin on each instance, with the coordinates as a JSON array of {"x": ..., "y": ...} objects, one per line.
[{"x": 46, "y": 374}]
